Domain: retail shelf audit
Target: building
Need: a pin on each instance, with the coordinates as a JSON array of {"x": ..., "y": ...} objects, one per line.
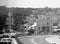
[{"x": 46, "y": 24}]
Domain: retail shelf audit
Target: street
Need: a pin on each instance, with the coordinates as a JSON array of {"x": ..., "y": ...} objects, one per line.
[{"x": 39, "y": 39}]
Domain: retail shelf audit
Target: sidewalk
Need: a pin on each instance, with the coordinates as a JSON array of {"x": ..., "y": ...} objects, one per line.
[
  {"x": 18, "y": 41},
  {"x": 14, "y": 41}
]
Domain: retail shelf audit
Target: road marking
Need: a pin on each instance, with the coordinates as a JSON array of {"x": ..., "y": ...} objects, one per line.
[
  {"x": 54, "y": 39},
  {"x": 32, "y": 40}
]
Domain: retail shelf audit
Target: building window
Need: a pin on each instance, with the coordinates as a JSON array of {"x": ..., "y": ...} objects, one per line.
[
  {"x": 47, "y": 23},
  {"x": 55, "y": 24},
  {"x": 45, "y": 29}
]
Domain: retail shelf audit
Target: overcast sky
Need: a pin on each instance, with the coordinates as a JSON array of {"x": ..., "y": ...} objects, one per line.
[
  {"x": 3, "y": 2},
  {"x": 30, "y": 3}
]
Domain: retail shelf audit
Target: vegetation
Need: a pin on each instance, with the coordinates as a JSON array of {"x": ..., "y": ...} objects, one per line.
[
  {"x": 19, "y": 20},
  {"x": 3, "y": 16},
  {"x": 25, "y": 15},
  {"x": 2, "y": 22}
]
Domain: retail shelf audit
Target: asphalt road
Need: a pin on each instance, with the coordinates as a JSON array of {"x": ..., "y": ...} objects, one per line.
[
  {"x": 39, "y": 39},
  {"x": 34, "y": 39}
]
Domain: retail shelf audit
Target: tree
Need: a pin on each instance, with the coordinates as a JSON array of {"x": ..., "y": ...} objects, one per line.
[
  {"x": 2, "y": 22},
  {"x": 19, "y": 20}
]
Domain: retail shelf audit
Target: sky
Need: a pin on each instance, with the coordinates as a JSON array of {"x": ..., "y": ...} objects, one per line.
[
  {"x": 3, "y": 2},
  {"x": 31, "y": 3}
]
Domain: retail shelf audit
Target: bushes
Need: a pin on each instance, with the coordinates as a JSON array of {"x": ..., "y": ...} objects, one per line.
[
  {"x": 19, "y": 20},
  {"x": 2, "y": 22}
]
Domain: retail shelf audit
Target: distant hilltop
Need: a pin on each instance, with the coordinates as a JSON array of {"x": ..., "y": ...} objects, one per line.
[{"x": 5, "y": 10}]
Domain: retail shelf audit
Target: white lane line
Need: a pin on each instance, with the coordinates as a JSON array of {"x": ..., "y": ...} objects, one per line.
[
  {"x": 32, "y": 40},
  {"x": 54, "y": 39}
]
